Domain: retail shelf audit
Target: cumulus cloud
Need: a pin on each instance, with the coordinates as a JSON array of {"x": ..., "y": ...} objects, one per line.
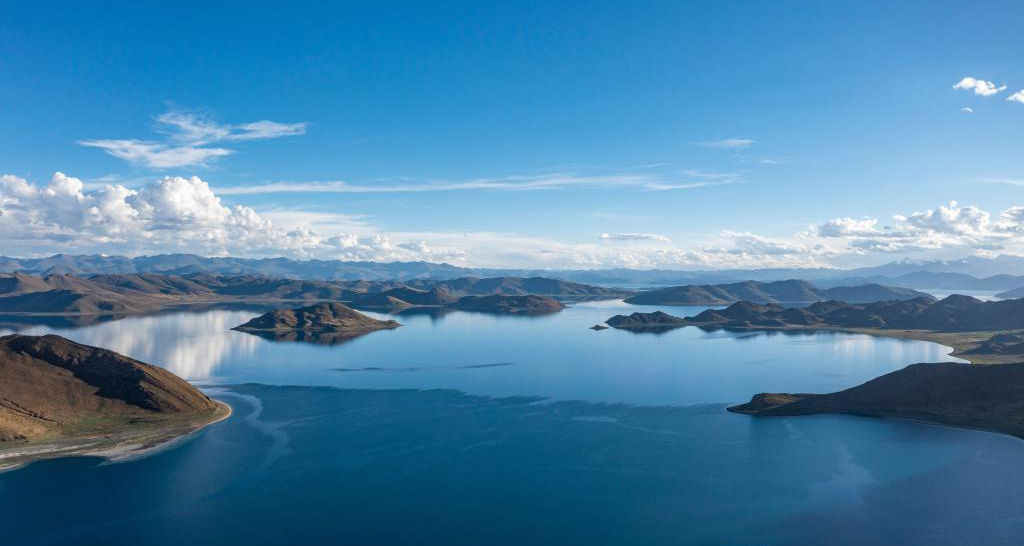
[
  {"x": 753, "y": 245},
  {"x": 635, "y": 237},
  {"x": 172, "y": 214},
  {"x": 189, "y": 136},
  {"x": 730, "y": 143},
  {"x": 952, "y": 226},
  {"x": 179, "y": 214},
  {"x": 980, "y": 87},
  {"x": 1017, "y": 97}
]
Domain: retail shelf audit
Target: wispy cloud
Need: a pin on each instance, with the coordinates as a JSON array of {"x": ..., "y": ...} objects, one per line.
[
  {"x": 967, "y": 109},
  {"x": 1008, "y": 181},
  {"x": 729, "y": 143},
  {"x": 189, "y": 136},
  {"x": 980, "y": 87},
  {"x": 689, "y": 180},
  {"x": 635, "y": 237},
  {"x": 1017, "y": 97}
]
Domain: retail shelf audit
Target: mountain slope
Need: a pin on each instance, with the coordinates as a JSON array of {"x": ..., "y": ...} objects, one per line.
[{"x": 52, "y": 387}]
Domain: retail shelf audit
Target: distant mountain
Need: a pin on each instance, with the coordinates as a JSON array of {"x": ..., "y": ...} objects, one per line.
[
  {"x": 519, "y": 286},
  {"x": 1014, "y": 293},
  {"x": 131, "y": 293},
  {"x": 926, "y": 280},
  {"x": 334, "y": 270},
  {"x": 501, "y": 303},
  {"x": 789, "y": 291}
]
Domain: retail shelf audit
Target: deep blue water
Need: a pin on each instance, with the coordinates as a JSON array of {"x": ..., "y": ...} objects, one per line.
[{"x": 480, "y": 429}]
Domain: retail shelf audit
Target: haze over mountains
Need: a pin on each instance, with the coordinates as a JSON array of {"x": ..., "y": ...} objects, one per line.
[{"x": 973, "y": 273}]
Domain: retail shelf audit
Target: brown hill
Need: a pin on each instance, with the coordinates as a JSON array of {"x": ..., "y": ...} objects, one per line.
[
  {"x": 499, "y": 303},
  {"x": 322, "y": 317},
  {"x": 989, "y": 397},
  {"x": 51, "y": 387}
]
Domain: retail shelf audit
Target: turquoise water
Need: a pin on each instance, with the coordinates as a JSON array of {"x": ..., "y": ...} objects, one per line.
[{"x": 479, "y": 429}]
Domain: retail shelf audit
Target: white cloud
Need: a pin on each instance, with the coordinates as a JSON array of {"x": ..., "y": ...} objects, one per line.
[
  {"x": 189, "y": 135},
  {"x": 157, "y": 155},
  {"x": 967, "y": 109},
  {"x": 980, "y": 87},
  {"x": 178, "y": 214},
  {"x": 730, "y": 143},
  {"x": 635, "y": 237},
  {"x": 945, "y": 227},
  {"x": 1017, "y": 97},
  {"x": 171, "y": 214}
]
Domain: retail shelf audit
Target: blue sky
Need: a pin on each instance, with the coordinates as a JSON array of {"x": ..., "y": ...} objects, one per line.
[{"x": 535, "y": 134}]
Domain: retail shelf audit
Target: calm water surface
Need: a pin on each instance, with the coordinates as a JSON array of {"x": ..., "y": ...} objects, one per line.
[{"x": 478, "y": 429}]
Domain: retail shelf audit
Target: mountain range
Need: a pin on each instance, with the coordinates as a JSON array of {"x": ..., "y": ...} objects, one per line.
[
  {"x": 971, "y": 273},
  {"x": 788, "y": 291},
  {"x": 131, "y": 293}
]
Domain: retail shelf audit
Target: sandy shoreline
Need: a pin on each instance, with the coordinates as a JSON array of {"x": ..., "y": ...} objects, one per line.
[{"x": 115, "y": 446}]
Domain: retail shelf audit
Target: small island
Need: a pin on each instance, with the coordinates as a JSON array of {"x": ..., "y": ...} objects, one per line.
[
  {"x": 978, "y": 396},
  {"x": 638, "y": 320},
  {"x": 319, "y": 318},
  {"x": 60, "y": 398}
]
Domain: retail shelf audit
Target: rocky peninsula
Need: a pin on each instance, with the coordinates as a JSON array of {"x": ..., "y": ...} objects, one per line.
[
  {"x": 61, "y": 398},
  {"x": 979, "y": 396}
]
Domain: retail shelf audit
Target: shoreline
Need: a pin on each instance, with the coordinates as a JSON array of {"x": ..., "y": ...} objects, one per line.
[
  {"x": 124, "y": 444},
  {"x": 958, "y": 342}
]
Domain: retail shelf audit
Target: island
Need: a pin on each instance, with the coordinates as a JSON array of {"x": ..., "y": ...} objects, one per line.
[
  {"x": 788, "y": 291},
  {"x": 646, "y": 322},
  {"x": 978, "y": 396},
  {"x": 325, "y": 317},
  {"x": 60, "y": 398}
]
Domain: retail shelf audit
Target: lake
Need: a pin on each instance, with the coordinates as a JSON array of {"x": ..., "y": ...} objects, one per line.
[{"x": 467, "y": 428}]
